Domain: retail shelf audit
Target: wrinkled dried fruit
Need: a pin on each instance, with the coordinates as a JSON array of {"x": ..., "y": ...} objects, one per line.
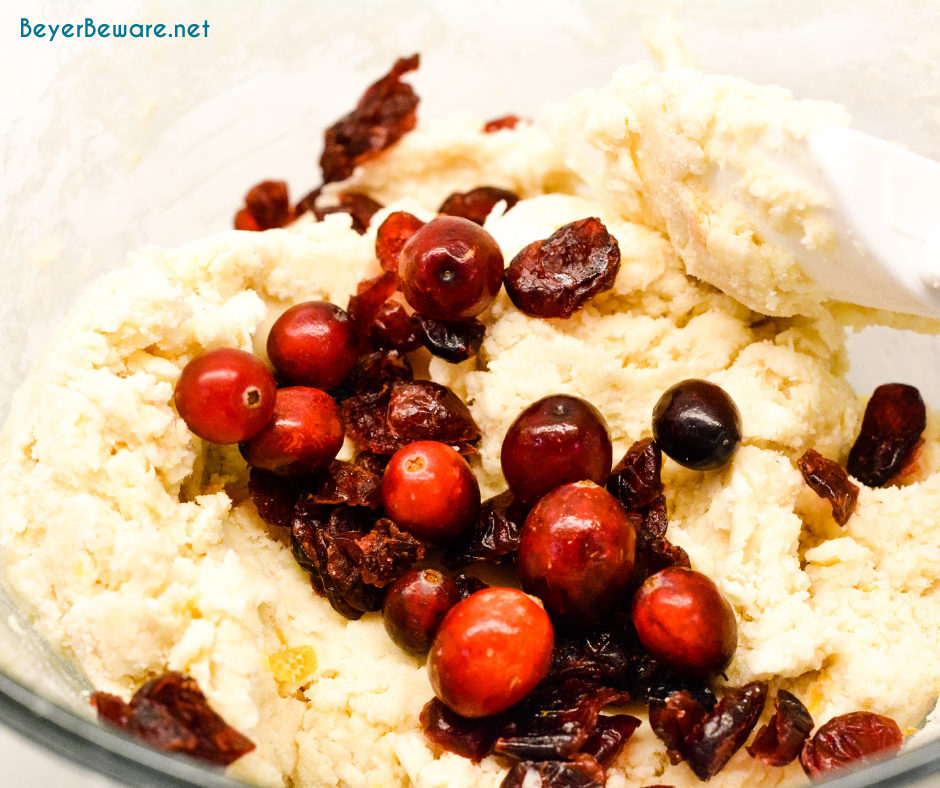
[
  {"x": 421, "y": 410},
  {"x": 383, "y": 554},
  {"x": 673, "y": 719},
  {"x": 556, "y": 719},
  {"x": 385, "y": 113},
  {"x": 664, "y": 685},
  {"x": 377, "y": 371},
  {"x": 274, "y": 496},
  {"x": 170, "y": 713},
  {"x": 498, "y": 124},
  {"x": 895, "y": 418},
  {"x": 365, "y": 305},
  {"x": 469, "y": 738},
  {"x": 394, "y": 329},
  {"x": 558, "y": 276},
  {"x": 583, "y": 773},
  {"x": 609, "y": 738},
  {"x": 360, "y": 207},
  {"x": 476, "y": 204},
  {"x": 453, "y": 342},
  {"x": 494, "y": 535},
  {"x": 830, "y": 481},
  {"x": 367, "y": 425},
  {"x": 848, "y": 740},
  {"x": 346, "y": 482},
  {"x": 392, "y": 236},
  {"x": 635, "y": 480},
  {"x": 266, "y": 207},
  {"x": 780, "y": 741},
  {"x": 723, "y": 732},
  {"x": 371, "y": 462}
]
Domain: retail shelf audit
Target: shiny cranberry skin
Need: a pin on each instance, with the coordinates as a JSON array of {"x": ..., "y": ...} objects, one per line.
[
  {"x": 555, "y": 441},
  {"x": 683, "y": 620},
  {"x": 490, "y": 652},
  {"x": 304, "y": 436},
  {"x": 697, "y": 424},
  {"x": 225, "y": 395},
  {"x": 314, "y": 344},
  {"x": 415, "y": 606},
  {"x": 451, "y": 269},
  {"x": 576, "y": 553},
  {"x": 429, "y": 491}
]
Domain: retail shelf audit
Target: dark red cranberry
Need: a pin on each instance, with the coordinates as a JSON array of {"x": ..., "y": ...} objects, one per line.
[
  {"x": 414, "y": 607},
  {"x": 394, "y": 329},
  {"x": 490, "y": 652},
  {"x": 429, "y": 490},
  {"x": 697, "y": 424},
  {"x": 451, "y": 269},
  {"x": 850, "y": 740},
  {"x": 314, "y": 344},
  {"x": 225, "y": 395},
  {"x": 684, "y": 621},
  {"x": 304, "y": 436},
  {"x": 557, "y": 440},
  {"x": 576, "y": 553}
]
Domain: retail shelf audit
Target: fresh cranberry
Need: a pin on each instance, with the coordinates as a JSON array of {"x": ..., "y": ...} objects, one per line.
[
  {"x": 697, "y": 424},
  {"x": 557, "y": 440},
  {"x": 429, "y": 490},
  {"x": 683, "y": 620},
  {"x": 304, "y": 436},
  {"x": 414, "y": 607},
  {"x": 490, "y": 652},
  {"x": 451, "y": 269},
  {"x": 576, "y": 553},
  {"x": 314, "y": 344},
  {"x": 225, "y": 395}
]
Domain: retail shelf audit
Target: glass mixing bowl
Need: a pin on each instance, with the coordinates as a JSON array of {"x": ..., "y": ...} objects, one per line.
[{"x": 110, "y": 145}]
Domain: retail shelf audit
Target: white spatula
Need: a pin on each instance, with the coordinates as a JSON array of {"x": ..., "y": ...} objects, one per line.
[{"x": 886, "y": 213}]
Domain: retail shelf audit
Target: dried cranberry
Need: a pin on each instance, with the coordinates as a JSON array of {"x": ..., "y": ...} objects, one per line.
[
  {"x": 380, "y": 556},
  {"x": 469, "y": 738},
  {"x": 490, "y": 651},
  {"x": 495, "y": 534},
  {"x": 225, "y": 395},
  {"x": 636, "y": 480},
  {"x": 673, "y": 719},
  {"x": 360, "y": 207},
  {"x": 894, "y": 420},
  {"x": 171, "y": 714},
  {"x": 609, "y": 738},
  {"x": 392, "y": 236},
  {"x": 558, "y": 276},
  {"x": 313, "y": 344},
  {"x": 684, "y": 621},
  {"x": 451, "y": 269},
  {"x": 584, "y": 773},
  {"x": 723, "y": 732},
  {"x": 849, "y": 740},
  {"x": 478, "y": 203},
  {"x": 780, "y": 741},
  {"x": 414, "y": 607},
  {"x": 430, "y": 491},
  {"x": 365, "y": 305},
  {"x": 371, "y": 462},
  {"x": 453, "y": 342},
  {"x": 304, "y": 435},
  {"x": 555, "y": 720},
  {"x": 697, "y": 424},
  {"x": 664, "y": 685},
  {"x": 557, "y": 440},
  {"x": 385, "y": 113},
  {"x": 345, "y": 482},
  {"x": 830, "y": 481},
  {"x": 367, "y": 425},
  {"x": 266, "y": 207},
  {"x": 576, "y": 553},
  {"x": 274, "y": 496},
  {"x": 394, "y": 329},
  {"x": 498, "y": 124},
  {"x": 423, "y": 410},
  {"x": 378, "y": 371}
]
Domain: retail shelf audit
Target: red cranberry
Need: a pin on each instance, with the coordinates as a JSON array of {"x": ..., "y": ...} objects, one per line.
[
  {"x": 314, "y": 344},
  {"x": 429, "y": 490},
  {"x": 697, "y": 424},
  {"x": 576, "y": 553},
  {"x": 304, "y": 436},
  {"x": 684, "y": 621},
  {"x": 490, "y": 652},
  {"x": 225, "y": 395},
  {"x": 557, "y": 440},
  {"x": 451, "y": 269},
  {"x": 414, "y": 607}
]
